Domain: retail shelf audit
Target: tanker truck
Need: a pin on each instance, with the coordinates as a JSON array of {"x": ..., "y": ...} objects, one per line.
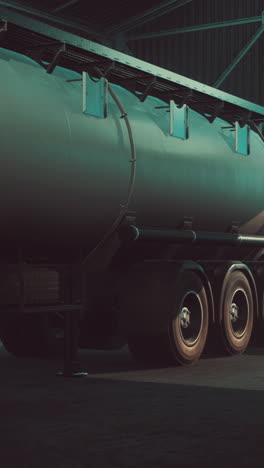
[{"x": 130, "y": 194}]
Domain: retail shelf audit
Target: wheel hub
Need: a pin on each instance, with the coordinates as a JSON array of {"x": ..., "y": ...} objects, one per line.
[
  {"x": 185, "y": 317},
  {"x": 234, "y": 312},
  {"x": 190, "y": 318},
  {"x": 238, "y": 313}
]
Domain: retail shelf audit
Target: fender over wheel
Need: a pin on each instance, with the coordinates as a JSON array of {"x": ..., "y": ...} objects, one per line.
[{"x": 237, "y": 311}]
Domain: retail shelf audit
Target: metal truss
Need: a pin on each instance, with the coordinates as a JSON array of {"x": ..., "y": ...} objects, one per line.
[
  {"x": 239, "y": 57},
  {"x": 199, "y": 27},
  {"x": 204, "y": 27},
  {"x": 65, "y": 5}
]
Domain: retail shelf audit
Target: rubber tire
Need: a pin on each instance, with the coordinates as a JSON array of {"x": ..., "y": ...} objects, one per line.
[
  {"x": 169, "y": 347},
  {"x": 232, "y": 345},
  {"x": 183, "y": 354},
  {"x": 29, "y": 336}
]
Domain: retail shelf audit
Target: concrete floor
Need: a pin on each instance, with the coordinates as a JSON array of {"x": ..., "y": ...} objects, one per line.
[{"x": 210, "y": 414}]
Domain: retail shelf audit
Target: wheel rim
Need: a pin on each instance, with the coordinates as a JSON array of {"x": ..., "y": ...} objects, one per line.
[
  {"x": 191, "y": 318},
  {"x": 239, "y": 313}
]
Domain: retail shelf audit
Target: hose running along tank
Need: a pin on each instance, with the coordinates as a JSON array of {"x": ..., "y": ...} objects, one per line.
[{"x": 66, "y": 176}]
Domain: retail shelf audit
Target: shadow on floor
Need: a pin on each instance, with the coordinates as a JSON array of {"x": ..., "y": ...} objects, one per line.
[{"x": 100, "y": 422}]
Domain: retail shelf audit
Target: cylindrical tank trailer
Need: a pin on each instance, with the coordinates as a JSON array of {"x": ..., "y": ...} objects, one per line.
[{"x": 65, "y": 176}]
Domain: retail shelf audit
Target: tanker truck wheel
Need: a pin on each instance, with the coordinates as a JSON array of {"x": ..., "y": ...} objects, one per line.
[
  {"x": 31, "y": 335},
  {"x": 184, "y": 339},
  {"x": 188, "y": 327},
  {"x": 237, "y": 313}
]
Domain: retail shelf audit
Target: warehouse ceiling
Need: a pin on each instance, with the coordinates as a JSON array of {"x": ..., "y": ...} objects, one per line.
[
  {"x": 217, "y": 42},
  {"x": 117, "y": 23},
  {"x": 102, "y": 20}
]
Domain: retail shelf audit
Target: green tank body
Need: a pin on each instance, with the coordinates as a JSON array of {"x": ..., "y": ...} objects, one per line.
[{"x": 64, "y": 174}]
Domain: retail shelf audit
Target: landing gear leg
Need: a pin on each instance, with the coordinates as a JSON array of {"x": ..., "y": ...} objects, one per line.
[{"x": 71, "y": 366}]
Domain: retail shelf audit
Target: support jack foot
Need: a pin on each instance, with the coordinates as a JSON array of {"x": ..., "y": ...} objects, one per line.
[
  {"x": 71, "y": 367},
  {"x": 72, "y": 374}
]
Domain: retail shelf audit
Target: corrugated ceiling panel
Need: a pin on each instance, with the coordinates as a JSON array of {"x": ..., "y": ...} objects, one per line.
[{"x": 102, "y": 14}]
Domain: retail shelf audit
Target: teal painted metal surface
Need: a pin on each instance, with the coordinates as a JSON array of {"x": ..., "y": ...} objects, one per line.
[
  {"x": 242, "y": 136},
  {"x": 179, "y": 121},
  {"x": 65, "y": 174},
  {"x": 94, "y": 96},
  {"x": 115, "y": 56}
]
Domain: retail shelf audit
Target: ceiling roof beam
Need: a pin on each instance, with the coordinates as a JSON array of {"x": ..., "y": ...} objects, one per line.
[
  {"x": 239, "y": 57},
  {"x": 199, "y": 27},
  {"x": 54, "y": 19},
  {"x": 125, "y": 65},
  {"x": 147, "y": 15},
  {"x": 64, "y": 5}
]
